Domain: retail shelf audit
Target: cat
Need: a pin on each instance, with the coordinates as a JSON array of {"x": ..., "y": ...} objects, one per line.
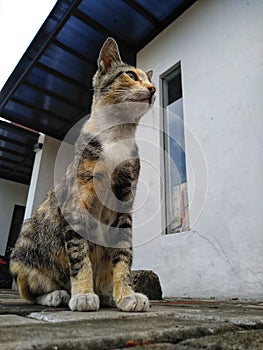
[{"x": 76, "y": 249}]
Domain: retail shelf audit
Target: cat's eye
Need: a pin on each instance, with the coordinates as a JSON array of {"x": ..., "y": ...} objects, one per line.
[{"x": 132, "y": 75}]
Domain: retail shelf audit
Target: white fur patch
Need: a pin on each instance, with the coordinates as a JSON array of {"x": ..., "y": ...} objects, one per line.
[{"x": 117, "y": 152}]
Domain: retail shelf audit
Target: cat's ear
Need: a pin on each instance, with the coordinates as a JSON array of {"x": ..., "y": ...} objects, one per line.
[
  {"x": 109, "y": 55},
  {"x": 149, "y": 74}
]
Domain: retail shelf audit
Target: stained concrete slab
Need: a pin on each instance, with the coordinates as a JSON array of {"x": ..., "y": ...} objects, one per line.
[
  {"x": 239, "y": 316},
  {"x": 14, "y": 320},
  {"x": 12, "y": 303},
  {"x": 105, "y": 334},
  {"x": 156, "y": 346},
  {"x": 239, "y": 340},
  {"x": 180, "y": 324}
]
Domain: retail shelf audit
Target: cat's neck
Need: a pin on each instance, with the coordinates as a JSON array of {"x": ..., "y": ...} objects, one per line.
[{"x": 111, "y": 128}]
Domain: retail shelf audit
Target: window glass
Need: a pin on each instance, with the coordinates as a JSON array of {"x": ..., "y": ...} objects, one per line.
[{"x": 174, "y": 153}]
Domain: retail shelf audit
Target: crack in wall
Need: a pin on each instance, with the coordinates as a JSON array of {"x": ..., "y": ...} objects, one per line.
[{"x": 227, "y": 259}]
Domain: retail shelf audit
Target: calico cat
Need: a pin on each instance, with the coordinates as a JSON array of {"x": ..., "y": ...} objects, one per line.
[{"x": 76, "y": 249}]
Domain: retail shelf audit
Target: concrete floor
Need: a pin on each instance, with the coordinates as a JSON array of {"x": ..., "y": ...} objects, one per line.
[{"x": 180, "y": 324}]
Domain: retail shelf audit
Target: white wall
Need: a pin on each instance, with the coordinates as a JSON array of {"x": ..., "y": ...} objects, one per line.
[
  {"x": 43, "y": 173},
  {"x": 219, "y": 45},
  {"x": 49, "y": 166},
  {"x": 11, "y": 193}
]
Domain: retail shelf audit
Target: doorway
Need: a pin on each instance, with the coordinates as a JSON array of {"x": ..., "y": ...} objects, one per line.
[{"x": 17, "y": 221}]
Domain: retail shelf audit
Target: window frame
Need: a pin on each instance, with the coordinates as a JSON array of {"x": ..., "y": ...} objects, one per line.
[{"x": 165, "y": 78}]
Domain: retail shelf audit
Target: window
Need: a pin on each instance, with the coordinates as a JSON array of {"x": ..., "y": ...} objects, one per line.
[{"x": 174, "y": 153}]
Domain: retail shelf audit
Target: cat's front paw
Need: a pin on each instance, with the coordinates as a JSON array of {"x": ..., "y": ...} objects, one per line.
[
  {"x": 84, "y": 302},
  {"x": 56, "y": 298},
  {"x": 134, "y": 302}
]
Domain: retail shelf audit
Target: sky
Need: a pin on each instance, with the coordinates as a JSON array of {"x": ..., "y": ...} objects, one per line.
[{"x": 19, "y": 22}]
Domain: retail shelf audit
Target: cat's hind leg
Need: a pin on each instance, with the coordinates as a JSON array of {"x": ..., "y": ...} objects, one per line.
[
  {"x": 38, "y": 286},
  {"x": 56, "y": 298}
]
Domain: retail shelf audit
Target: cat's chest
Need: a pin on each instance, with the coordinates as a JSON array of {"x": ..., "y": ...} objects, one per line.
[{"x": 116, "y": 153}]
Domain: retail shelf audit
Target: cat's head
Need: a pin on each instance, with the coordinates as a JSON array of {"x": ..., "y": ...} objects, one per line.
[{"x": 124, "y": 88}]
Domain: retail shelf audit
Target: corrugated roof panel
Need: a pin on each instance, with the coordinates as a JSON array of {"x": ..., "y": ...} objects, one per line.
[
  {"x": 6, "y": 154},
  {"x": 117, "y": 17},
  {"x": 82, "y": 38},
  {"x": 159, "y": 9},
  {"x": 67, "y": 64},
  {"x": 52, "y": 84},
  {"x": 28, "y": 116},
  {"x": 18, "y": 148},
  {"x": 37, "y": 99},
  {"x": 16, "y": 152},
  {"x": 21, "y": 138}
]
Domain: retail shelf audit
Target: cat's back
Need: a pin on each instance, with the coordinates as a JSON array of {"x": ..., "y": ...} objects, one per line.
[{"x": 40, "y": 235}]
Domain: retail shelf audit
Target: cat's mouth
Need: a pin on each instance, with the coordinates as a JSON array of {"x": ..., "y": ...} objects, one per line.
[
  {"x": 145, "y": 100},
  {"x": 150, "y": 100},
  {"x": 141, "y": 100}
]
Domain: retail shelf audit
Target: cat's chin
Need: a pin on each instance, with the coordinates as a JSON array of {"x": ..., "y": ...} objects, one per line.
[{"x": 128, "y": 111}]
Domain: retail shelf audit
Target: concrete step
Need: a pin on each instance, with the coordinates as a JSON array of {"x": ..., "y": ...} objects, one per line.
[{"x": 181, "y": 324}]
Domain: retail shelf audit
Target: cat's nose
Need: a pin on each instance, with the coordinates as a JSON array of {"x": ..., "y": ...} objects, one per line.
[{"x": 152, "y": 89}]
